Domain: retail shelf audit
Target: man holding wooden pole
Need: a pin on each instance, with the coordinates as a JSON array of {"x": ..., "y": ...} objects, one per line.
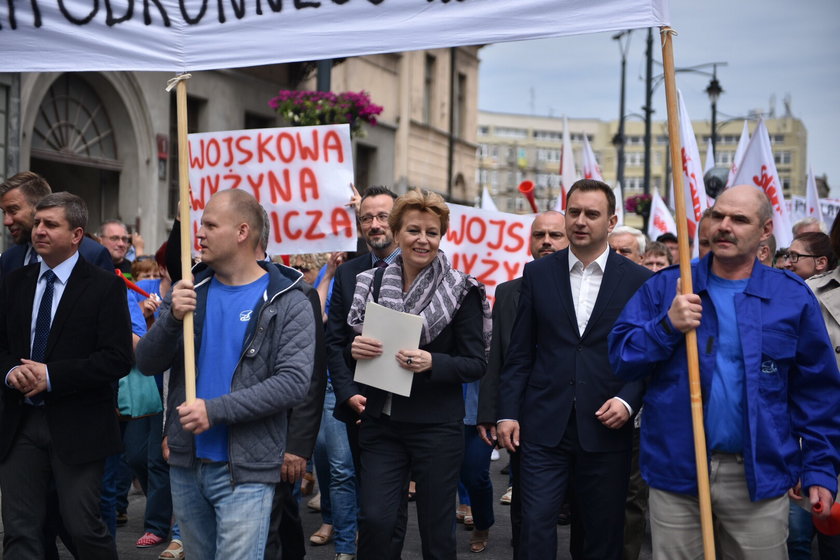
[
  {"x": 255, "y": 336},
  {"x": 769, "y": 381}
]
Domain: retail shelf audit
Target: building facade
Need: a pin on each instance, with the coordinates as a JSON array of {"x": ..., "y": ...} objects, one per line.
[
  {"x": 513, "y": 148},
  {"x": 111, "y": 137}
]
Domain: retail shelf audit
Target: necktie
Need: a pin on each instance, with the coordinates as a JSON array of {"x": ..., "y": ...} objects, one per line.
[
  {"x": 42, "y": 323},
  {"x": 380, "y": 264}
]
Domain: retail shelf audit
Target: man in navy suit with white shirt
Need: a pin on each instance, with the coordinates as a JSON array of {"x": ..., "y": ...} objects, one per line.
[
  {"x": 559, "y": 401},
  {"x": 19, "y": 195}
]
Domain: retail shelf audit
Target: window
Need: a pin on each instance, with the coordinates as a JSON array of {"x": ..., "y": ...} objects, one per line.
[
  {"x": 777, "y": 138},
  {"x": 634, "y": 159},
  {"x": 484, "y": 131},
  {"x": 460, "y": 109},
  {"x": 634, "y": 183},
  {"x": 548, "y": 135},
  {"x": 782, "y": 158},
  {"x": 252, "y": 120},
  {"x": 428, "y": 88},
  {"x": 724, "y": 158},
  {"x": 507, "y": 132},
  {"x": 546, "y": 154}
]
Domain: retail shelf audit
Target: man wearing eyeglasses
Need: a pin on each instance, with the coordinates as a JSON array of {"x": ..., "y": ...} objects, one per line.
[
  {"x": 114, "y": 236},
  {"x": 19, "y": 194}
]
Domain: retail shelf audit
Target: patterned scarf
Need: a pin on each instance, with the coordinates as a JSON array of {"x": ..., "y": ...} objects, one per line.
[{"x": 436, "y": 295}]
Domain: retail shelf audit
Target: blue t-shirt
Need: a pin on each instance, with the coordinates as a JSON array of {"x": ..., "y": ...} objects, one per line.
[
  {"x": 228, "y": 312},
  {"x": 725, "y": 407}
]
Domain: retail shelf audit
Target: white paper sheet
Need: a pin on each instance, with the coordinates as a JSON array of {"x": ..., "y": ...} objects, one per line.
[{"x": 397, "y": 331}]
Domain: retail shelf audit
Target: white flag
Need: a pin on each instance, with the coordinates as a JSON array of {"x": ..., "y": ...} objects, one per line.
[
  {"x": 759, "y": 169},
  {"x": 661, "y": 220},
  {"x": 590, "y": 164},
  {"x": 695, "y": 191},
  {"x": 487, "y": 201},
  {"x": 739, "y": 154},
  {"x": 568, "y": 175},
  {"x": 619, "y": 205},
  {"x": 812, "y": 199},
  {"x": 710, "y": 156}
]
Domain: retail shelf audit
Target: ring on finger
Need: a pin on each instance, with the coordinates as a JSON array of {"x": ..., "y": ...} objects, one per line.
[{"x": 408, "y": 361}]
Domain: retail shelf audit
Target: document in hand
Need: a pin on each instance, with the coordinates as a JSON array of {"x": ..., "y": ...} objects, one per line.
[{"x": 397, "y": 331}]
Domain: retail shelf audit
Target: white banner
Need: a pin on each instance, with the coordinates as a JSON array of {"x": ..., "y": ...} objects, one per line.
[
  {"x": 191, "y": 35},
  {"x": 300, "y": 175},
  {"x": 491, "y": 246}
]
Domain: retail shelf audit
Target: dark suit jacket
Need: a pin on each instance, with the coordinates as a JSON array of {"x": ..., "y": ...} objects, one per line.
[
  {"x": 340, "y": 335},
  {"x": 305, "y": 418},
  {"x": 457, "y": 358},
  {"x": 93, "y": 252},
  {"x": 504, "y": 314},
  {"x": 89, "y": 347},
  {"x": 551, "y": 369}
]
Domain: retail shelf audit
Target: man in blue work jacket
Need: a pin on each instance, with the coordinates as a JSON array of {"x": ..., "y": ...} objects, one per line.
[{"x": 770, "y": 388}]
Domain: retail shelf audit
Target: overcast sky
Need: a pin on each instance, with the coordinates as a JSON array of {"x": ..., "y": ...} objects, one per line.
[{"x": 772, "y": 47}]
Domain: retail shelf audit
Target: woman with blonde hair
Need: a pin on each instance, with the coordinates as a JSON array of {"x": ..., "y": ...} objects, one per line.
[{"x": 420, "y": 435}]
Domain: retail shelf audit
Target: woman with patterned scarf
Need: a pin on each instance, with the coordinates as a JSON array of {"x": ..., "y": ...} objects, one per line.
[{"x": 420, "y": 436}]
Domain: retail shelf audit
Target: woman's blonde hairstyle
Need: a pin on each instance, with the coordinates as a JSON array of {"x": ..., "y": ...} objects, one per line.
[{"x": 424, "y": 201}]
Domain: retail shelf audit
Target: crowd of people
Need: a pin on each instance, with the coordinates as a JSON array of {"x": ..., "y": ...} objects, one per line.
[{"x": 579, "y": 372}]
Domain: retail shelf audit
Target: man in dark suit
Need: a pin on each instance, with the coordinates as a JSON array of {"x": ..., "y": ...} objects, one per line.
[
  {"x": 558, "y": 397},
  {"x": 58, "y": 419},
  {"x": 374, "y": 209},
  {"x": 350, "y": 401},
  {"x": 548, "y": 235},
  {"x": 19, "y": 195}
]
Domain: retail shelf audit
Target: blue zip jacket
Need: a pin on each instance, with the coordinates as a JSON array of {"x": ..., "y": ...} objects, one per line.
[{"x": 792, "y": 384}]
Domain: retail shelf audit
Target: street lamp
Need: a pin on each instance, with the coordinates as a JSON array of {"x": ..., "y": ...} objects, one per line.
[
  {"x": 713, "y": 91},
  {"x": 623, "y": 39}
]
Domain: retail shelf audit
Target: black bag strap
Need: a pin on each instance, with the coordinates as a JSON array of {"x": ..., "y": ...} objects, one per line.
[{"x": 377, "y": 283}]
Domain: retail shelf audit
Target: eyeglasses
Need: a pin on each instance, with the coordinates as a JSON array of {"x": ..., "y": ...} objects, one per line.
[
  {"x": 117, "y": 238},
  {"x": 368, "y": 218},
  {"x": 794, "y": 257}
]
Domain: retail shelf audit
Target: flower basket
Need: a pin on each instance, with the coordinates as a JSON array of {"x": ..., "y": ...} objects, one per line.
[{"x": 310, "y": 108}]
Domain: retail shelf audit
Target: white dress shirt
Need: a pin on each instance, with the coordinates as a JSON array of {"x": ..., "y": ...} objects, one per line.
[{"x": 586, "y": 284}]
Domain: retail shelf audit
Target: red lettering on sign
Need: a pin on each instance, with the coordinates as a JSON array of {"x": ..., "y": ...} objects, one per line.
[
  {"x": 263, "y": 152},
  {"x": 312, "y": 233},
  {"x": 456, "y": 235},
  {"x": 308, "y": 182},
  {"x": 213, "y": 158},
  {"x": 341, "y": 221},
  {"x": 500, "y": 228},
  {"x": 332, "y": 141},
  {"x": 198, "y": 161},
  {"x": 255, "y": 185},
  {"x": 512, "y": 269},
  {"x": 512, "y": 233},
  {"x": 228, "y": 142},
  {"x": 308, "y": 152},
  {"x": 482, "y": 228},
  {"x": 486, "y": 277},
  {"x": 287, "y": 228},
  {"x": 246, "y": 153},
  {"x": 276, "y": 188},
  {"x": 289, "y": 152},
  {"x": 233, "y": 180},
  {"x": 768, "y": 185}
]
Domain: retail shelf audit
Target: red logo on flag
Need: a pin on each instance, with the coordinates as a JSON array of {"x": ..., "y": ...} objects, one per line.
[{"x": 768, "y": 185}]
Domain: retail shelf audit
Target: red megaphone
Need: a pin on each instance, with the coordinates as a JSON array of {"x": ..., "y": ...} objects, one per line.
[
  {"x": 527, "y": 188},
  {"x": 829, "y": 525}
]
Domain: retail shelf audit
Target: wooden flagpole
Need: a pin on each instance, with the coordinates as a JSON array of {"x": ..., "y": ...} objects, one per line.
[
  {"x": 703, "y": 492},
  {"x": 184, "y": 213}
]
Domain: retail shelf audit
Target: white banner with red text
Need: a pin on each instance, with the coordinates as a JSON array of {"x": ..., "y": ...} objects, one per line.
[
  {"x": 300, "y": 175},
  {"x": 491, "y": 246}
]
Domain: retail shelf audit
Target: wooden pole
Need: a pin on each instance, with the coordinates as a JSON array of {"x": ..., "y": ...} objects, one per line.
[
  {"x": 703, "y": 492},
  {"x": 186, "y": 245}
]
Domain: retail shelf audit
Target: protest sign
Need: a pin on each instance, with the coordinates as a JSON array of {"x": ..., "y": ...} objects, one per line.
[
  {"x": 181, "y": 36},
  {"x": 300, "y": 175},
  {"x": 491, "y": 246}
]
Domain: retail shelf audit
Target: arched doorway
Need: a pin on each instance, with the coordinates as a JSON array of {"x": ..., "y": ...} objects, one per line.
[{"x": 74, "y": 146}]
